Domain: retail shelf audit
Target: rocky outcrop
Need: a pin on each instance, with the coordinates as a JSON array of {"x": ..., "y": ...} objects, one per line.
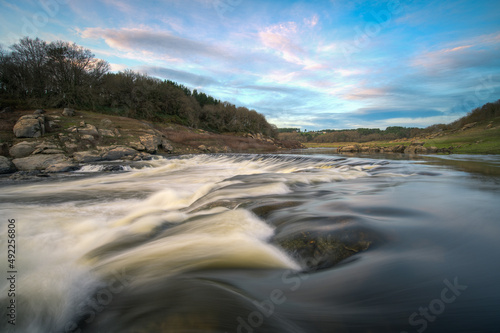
[
  {"x": 30, "y": 126},
  {"x": 415, "y": 147},
  {"x": 39, "y": 162},
  {"x": 6, "y": 166}
]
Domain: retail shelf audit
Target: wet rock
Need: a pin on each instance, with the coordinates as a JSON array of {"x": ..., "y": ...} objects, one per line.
[
  {"x": 68, "y": 112},
  {"x": 30, "y": 126},
  {"x": 22, "y": 149},
  {"x": 6, "y": 165},
  {"x": 317, "y": 250},
  {"x": 38, "y": 162},
  {"x": 62, "y": 167}
]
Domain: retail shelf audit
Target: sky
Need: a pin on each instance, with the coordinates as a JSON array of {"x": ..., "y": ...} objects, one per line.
[{"x": 307, "y": 64}]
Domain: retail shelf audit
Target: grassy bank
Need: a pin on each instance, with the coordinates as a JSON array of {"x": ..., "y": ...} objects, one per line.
[{"x": 482, "y": 138}]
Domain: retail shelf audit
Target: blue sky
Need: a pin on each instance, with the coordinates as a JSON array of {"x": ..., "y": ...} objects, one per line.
[{"x": 308, "y": 64}]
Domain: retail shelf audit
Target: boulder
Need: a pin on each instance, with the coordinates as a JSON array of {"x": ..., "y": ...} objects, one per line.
[
  {"x": 30, "y": 126},
  {"x": 349, "y": 149},
  {"x": 22, "y": 149},
  {"x": 39, "y": 111},
  {"x": 87, "y": 156},
  {"x": 166, "y": 145},
  {"x": 118, "y": 153},
  {"x": 150, "y": 142},
  {"x": 68, "y": 112},
  {"x": 88, "y": 130},
  {"x": 62, "y": 167},
  {"x": 137, "y": 145},
  {"x": 38, "y": 162},
  {"x": 6, "y": 166},
  {"x": 106, "y": 132}
]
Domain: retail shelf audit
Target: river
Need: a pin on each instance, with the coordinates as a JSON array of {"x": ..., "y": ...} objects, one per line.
[{"x": 308, "y": 241}]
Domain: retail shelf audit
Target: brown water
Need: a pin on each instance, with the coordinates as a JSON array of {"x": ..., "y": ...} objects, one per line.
[{"x": 306, "y": 242}]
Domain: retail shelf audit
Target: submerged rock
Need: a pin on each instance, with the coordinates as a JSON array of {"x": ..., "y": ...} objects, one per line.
[{"x": 316, "y": 249}]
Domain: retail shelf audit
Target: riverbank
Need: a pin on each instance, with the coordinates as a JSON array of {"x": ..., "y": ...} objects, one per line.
[
  {"x": 473, "y": 138},
  {"x": 59, "y": 140}
]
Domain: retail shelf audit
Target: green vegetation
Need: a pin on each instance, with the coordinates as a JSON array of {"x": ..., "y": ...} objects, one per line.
[
  {"x": 476, "y": 133},
  {"x": 37, "y": 74}
]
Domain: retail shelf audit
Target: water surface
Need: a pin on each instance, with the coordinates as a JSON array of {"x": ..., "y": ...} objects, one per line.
[{"x": 304, "y": 242}]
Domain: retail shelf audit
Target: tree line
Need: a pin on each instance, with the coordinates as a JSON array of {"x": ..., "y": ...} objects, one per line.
[{"x": 34, "y": 73}]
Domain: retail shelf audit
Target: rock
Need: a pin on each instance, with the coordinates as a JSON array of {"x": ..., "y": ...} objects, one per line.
[
  {"x": 62, "y": 167},
  {"x": 489, "y": 126},
  {"x": 4, "y": 149},
  {"x": 106, "y": 123},
  {"x": 30, "y": 126},
  {"x": 118, "y": 153},
  {"x": 398, "y": 149},
  {"x": 349, "y": 149},
  {"x": 167, "y": 146},
  {"x": 417, "y": 143},
  {"x": 38, "y": 162},
  {"x": 82, "y": 123},
  {"x": 137, "y": 145},
  {"x": 150, "y": 142},
  {"x": 88, "y": 130},
  {"x": 88, "y": 137},
  {"x": 6, "y": 166},
  {"x": 39, "y": 111},
  {"x": 106, "y": 132},
  {"x": 87, "y": 156},
  {"x": 469, "y": 125},
  {"x": 22, "y": 149},
  {"x": 53, "y": 151},
  {"x": 68, "y": 112},
  {"x": 203, "y": 148}
]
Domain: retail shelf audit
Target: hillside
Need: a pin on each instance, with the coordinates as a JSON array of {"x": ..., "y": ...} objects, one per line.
[
  {"x": 482, "y": 137},
  {"x": 61, "y": 141}
]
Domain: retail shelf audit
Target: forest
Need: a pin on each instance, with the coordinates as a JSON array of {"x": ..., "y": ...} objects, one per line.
[{"x": 38, "y": 74}]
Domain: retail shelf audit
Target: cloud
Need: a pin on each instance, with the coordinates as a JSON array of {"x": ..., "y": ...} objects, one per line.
[
  {"x": 159, "y": 42},
  {"x": 481, "y": 51},
  {"x": 180, "y": 76}
]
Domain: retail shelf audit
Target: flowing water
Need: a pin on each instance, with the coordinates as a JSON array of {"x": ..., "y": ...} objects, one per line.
[{"x": 305, "y": 242}]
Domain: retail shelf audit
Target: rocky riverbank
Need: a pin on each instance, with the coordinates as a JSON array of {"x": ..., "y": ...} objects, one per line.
[{"x": 64, "y": 139}]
